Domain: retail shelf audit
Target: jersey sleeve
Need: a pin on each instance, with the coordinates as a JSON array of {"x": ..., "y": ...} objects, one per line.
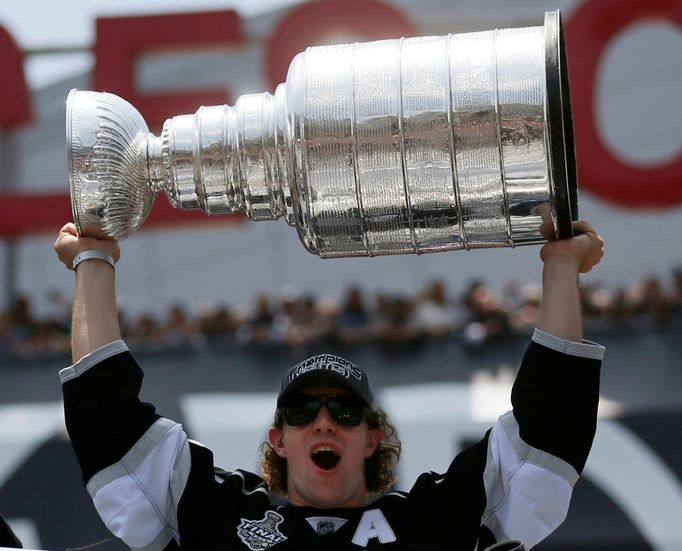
[
  {"x": 153, "y": 487},
  {"x": 134, "y": 462},
  {"x": 516, "y": 483},
  {"x": 537, "y": 451},
  {"x": 7, "y": 536}
]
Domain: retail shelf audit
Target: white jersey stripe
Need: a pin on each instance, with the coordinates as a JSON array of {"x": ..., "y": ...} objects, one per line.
[
  {"x": 527, "y": 490},
  {"x": 137, "y": 497},
  {"x": 181, "y": 470},
  {"x": 532, "y": 455},
  {"x": 135, "y": 455},
  {"x": 92, "y": 359},
  {"x": 584, "y": 349},
  {"x": 262, "y": 489}
]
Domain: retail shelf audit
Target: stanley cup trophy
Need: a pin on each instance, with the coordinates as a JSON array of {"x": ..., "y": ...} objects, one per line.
[{"x": 399, "y": 146}]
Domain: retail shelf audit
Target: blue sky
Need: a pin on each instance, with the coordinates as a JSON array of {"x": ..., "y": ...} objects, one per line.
[{"x": 37, "y": 24}]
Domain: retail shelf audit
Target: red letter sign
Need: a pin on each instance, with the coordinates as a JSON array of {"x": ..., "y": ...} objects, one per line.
[
  {"x": 120, "y": 40},
  {"x": 589, "y": 30},
  {"x": 14, "y": 97},
  {"x": 313, "y": 22}
]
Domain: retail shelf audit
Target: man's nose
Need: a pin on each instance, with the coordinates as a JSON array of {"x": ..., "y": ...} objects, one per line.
[{"x": 323, "y": 422}]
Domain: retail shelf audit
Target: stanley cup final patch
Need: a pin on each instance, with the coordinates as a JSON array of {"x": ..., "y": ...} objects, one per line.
[{"x": 261, "y": 534}]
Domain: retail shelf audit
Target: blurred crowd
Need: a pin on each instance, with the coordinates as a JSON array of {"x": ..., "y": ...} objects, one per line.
[{"x": 298, "y": 320}]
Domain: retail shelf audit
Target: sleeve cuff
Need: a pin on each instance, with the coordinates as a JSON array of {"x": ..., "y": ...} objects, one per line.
[
  {"x": 92, "y": 359},
  {"x": 584, "y": 349}
]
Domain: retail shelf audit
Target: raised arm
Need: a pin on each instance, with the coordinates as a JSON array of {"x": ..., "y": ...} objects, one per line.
[
  {"x": 95, "y": 316},
  {"x": 540, "y": 448},
  {"x": 556, "y": 392},
  {"x": 131, "y": 458},
  {"x": 563, "y": 260}
]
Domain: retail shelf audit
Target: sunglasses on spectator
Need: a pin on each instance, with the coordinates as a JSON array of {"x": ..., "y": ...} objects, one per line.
[{"x": 344, "y": 410}]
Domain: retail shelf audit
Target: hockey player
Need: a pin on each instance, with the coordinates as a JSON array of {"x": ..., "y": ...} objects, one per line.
[{"x": 331, "y": 449}]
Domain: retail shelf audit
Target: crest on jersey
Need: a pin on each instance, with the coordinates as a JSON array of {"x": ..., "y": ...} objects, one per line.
[{"x": 261, "y": 534}]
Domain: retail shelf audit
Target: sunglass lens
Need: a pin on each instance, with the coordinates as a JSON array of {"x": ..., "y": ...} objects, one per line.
[
  {"x": 302, "y": 413},
  {"x": 345, "y": 412}
]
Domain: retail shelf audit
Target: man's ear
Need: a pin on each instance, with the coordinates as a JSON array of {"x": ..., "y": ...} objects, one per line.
[
  {"x": 276, "y": 438},
  {"x": 374, "y": 438}
]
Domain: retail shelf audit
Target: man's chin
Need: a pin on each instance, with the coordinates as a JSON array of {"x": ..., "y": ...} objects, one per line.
[{"x": 331, "y": 499}]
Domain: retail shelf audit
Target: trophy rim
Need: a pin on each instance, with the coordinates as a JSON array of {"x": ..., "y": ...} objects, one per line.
[
  {"x": 70, "y": 100},
  {"x": 563, "y": 180}
]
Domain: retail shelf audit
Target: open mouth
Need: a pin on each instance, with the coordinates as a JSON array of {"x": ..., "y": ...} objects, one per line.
[{"x": 325, "y": 458}]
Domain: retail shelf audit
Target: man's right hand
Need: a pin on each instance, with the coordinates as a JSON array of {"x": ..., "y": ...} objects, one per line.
[{"x": 69, "y": 244}]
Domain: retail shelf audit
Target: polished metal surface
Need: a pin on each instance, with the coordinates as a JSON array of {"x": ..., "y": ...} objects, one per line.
[
  {"x": 107, "y": 159},
  {"x": 399, "y": 146}
]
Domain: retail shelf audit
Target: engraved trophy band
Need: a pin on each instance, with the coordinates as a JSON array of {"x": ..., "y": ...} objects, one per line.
[{"x": 411, "y": 145}]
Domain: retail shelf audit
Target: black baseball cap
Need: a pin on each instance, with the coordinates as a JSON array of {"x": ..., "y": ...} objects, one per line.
[{"x": 327, "y": 369}]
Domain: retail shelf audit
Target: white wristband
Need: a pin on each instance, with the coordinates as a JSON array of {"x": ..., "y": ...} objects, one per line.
[{"x": 90, "y": 254}]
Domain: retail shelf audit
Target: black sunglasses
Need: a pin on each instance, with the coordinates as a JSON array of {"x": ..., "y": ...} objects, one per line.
[{"x": 344, "y": 410}]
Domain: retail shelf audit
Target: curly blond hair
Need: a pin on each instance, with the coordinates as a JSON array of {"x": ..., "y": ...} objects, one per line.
[{"x": 379, "y": 475}]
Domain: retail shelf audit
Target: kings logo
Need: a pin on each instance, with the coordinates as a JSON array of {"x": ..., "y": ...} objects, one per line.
[{"x": 261, "y": 534}]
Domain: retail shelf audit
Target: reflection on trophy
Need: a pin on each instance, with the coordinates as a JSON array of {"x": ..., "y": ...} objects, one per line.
[{"x": 398, "y": 146}]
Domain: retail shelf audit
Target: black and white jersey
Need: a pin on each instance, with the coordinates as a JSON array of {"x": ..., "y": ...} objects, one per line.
[
  {"x": 7, "y": 536},
  {"x": 156, "y": 489}
]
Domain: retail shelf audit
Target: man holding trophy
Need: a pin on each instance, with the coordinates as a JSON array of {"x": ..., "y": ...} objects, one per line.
[
  {"x": 385, "y": 148},
  {"x": 157, "y": 490}
]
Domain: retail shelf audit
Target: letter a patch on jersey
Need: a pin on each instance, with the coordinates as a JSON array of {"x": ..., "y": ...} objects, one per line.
[
  {"x": 261, "y": 534},
  {"x": 373, "y": 524}
]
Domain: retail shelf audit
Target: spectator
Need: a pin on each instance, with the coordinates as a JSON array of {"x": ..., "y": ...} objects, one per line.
[
  {"x": 259, "y": 329},
  {"x": 351, "y": 325},
  {"x": 145, "y": 332},
  {"x": 395, "y": 322},
  {"x": 6, "y": 340},
  {"x": 47, "y": 339},
  {"x": 434, "y": 315},
  {"x": 676, "y": 296},
  {"x": 58, "y": 309},
  {"x": 655, "y": 302},
  {"x": 620, "y": 311},
  {"x": 21, "y": 322},
  {"x": 487, "y": 318},
  {"x": 527, "y": 315},
  {"x": 308, "y": 325},
  {"x": 179, "y": 331},
  {"x": 219, "y": 324}
]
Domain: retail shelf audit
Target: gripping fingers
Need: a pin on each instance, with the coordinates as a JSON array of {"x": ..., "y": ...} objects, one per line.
[
  {"x": 584, "y": 250},
  {"x": 582, "y": 226},
  {"x": 593, "y": 245},
  {"x": 69, "y": 244}
]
